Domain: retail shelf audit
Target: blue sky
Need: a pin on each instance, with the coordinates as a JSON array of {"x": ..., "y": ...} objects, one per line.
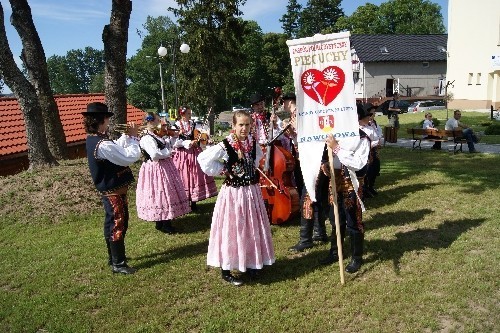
[{"x": 68, "y": 25}]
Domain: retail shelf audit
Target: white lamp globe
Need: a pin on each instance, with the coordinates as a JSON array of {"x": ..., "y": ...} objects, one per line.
[
  {"x": 184, "y": 48},
  {"x": 162, "y": 51}
]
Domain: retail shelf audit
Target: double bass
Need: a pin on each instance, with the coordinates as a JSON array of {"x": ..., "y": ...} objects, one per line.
[{"x": 280, "y": 195}]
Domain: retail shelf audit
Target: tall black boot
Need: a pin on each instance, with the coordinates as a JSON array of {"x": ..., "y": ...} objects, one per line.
[
  {"x": 228, "y": 277},
  {"x": 159, "y": 225},
  {"x": 110, "y": 260},
  {"x": 305, "y": 241},
  {"x": 319, "y": 233},
  {"x": 333, "y": 254},
  {"x": 168, "y": 228},
  {"x": 357, "y": 252},
  {"x": 118, "y": 258}
]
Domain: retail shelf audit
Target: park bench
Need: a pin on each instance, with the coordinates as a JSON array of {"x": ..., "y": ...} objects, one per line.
[{"x": 454, "y": 136}]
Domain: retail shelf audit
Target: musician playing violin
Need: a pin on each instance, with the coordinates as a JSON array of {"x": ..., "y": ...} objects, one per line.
[
  {"x": 197, "y": 185},
  {"x": 160, "y": 195}
]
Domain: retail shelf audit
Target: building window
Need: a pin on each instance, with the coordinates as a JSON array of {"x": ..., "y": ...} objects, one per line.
[
  {"x": 478, "y": 79},
  {"x": 469, "y": 81},
  {"x": 425, "y": 64}
]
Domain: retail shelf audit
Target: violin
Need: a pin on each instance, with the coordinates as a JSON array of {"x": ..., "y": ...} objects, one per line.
[
  {"x": 280, "y": 195},
  {"x": 164, "y": 129}
]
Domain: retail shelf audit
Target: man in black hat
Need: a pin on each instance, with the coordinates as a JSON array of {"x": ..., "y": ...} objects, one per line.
[
  {"x": 350, "y": 169},
  {"x": 373, "y": 167},
  {"x": 109, "y": 167}
]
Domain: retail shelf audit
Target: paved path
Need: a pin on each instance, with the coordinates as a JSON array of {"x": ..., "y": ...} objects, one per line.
[{"x": 480, "y": 147}]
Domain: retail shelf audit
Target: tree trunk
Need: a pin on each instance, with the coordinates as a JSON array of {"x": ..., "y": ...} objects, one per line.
[
  {"x": 33, "y": 57},
  {"x": 38, "y": 151},
  {"x": 115, "y": 38}
]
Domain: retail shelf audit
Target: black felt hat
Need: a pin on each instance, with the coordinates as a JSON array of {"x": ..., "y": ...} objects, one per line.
[
  {"x": 256, "y": 98},
  {"x": 96, "y": 108},
  {"x": 362, "y": 113},
  {"x": 290, "y": 95},
  {"x": 369, "y": 107}
]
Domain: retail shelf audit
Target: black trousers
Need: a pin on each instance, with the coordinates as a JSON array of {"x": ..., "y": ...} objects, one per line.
[{"x": 116, "y": 219}]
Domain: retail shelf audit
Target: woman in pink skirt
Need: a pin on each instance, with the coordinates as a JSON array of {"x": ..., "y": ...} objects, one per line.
[
  {"x": 240, "y": 235},
  {"x": 198, "y": 185},
  {"x": 160, "y": 195}
]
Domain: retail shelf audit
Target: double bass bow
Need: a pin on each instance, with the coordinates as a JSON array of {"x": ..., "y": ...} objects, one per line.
[{"x": 279, "y": 193}]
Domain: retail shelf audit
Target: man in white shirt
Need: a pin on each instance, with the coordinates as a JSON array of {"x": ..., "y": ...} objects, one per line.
[{"x": 467, "y": 132}]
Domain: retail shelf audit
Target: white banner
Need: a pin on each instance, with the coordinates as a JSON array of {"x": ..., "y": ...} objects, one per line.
[{"x": 324, "y": 86}]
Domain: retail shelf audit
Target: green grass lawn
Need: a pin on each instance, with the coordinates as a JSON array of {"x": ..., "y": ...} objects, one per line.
[{"x": 431, "y": 261}]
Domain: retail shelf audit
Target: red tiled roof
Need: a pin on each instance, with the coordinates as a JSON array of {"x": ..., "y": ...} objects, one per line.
[{"x": 13, "y": 133}]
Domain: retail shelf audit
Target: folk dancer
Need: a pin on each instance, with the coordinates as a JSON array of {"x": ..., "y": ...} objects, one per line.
[
  {"x": 198, "y": 185},
  {"x": 240, "y": 234},
  {"x": 109, "y": 167},
  {"x": 160, "y": 195},
  {"x": 350, "y": 169}
]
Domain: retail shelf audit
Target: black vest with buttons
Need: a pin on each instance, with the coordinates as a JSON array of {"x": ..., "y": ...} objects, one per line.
[{"x": 106, "y": 175}]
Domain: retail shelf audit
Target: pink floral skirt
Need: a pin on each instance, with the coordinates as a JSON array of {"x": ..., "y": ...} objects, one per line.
[
  {"x": 160, "y": 193},
  {"x": 240, "y": 235},
  {"x": 197, "y": 184}
]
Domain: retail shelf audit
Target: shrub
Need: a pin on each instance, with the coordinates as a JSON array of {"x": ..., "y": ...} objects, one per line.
[{"x": 493, "y": 129}]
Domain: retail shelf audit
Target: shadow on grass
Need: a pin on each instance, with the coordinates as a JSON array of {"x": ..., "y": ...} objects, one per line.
[
  {"x": 157, "y": 258},
  {"x": 417, "y": 240},
  {"x": 381, "y": 220}
]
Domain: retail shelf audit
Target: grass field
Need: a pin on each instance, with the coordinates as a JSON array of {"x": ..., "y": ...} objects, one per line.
[{"x": 431, "y": 262}]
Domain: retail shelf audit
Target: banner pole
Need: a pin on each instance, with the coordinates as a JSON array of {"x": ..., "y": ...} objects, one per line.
[{"x": 336, "y": 214}]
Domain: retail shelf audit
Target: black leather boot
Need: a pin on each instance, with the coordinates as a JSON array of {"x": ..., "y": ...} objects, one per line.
[
  {"x": 159, "y": 225},
  {"x": 357, "y": 253},
  {"x": 333, "y": 254},
  {"x": 228, "y": 277},
  {"x": 119, "y": 263},
  {"x": 168, "y": 228},
  {"x": 110, "y": 260},
  {"x": 305, "y": 241},
  {"x": 319, "y": 233}
]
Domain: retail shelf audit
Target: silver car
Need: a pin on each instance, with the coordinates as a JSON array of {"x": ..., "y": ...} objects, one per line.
[{"x": 422, "y": 106}]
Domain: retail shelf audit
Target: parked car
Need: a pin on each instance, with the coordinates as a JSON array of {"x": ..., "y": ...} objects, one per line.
[
  {"x": 223, "y": 125},
  {"x": 402, "y": 105},
  {"x": 240, "y": 108},
  {"x": 422, "y": 106}
]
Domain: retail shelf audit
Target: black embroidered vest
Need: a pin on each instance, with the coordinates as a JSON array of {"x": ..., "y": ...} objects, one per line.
[
  {"x": 240, "y": 172},
  {"x": 106, "y": 175}
]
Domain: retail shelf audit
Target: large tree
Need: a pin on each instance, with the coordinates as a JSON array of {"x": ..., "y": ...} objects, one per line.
[
  {"x": 75, "y": 72},
  {"x": 144, "y": 88},
  {"x": 214, "y": 33},
  {"x": 39, "y": 154},
  {"x": 319, "y": 16},
  {"x": 290, "y": 20},
  {"x": 33, "y": 57},
  {"x": 395, "y": 17},
  {"x": 115, "y": 38}
]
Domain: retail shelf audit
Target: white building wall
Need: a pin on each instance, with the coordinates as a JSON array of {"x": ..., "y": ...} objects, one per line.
[{"x": 473, "y": 38}]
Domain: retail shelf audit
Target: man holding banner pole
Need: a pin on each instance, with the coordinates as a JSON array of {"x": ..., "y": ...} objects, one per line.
[
  {"x": 346, "y": 191},
  {"x": 326, "y": 108}
]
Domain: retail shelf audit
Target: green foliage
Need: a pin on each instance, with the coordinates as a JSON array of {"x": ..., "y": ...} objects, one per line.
[
  {"x": 215, "y": 33},
  {"x": 395, "y": 17},
  {"x": 493, "y": 129},
  {"x": 290, "y": 20},
  {"x": 75, "y": 73},
  {"x": 319, "y": 16}
]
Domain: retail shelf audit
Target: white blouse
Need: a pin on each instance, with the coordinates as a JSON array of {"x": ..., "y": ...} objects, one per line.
[
  {"x": 151, "y": 147},
  {"x": 212, "y": 159},
  {"x": 123, "y": 151},
  {"x": 353, "y": 160}
]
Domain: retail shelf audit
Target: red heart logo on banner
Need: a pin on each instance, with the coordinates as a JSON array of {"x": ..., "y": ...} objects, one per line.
[{"x": 323, "y": 86}]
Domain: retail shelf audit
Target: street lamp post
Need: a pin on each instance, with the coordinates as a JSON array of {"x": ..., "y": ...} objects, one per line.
[{"x": 162, "y": 52}]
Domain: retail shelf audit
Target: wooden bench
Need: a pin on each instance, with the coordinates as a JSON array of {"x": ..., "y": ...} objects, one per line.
[{"x": 444, "y": 135}]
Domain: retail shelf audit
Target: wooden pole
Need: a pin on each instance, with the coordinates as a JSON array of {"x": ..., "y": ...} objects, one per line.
[{"x": 336, "y": 214}]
